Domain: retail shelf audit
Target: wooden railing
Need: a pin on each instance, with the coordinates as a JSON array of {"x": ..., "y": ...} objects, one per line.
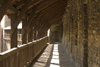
[{"x": 22, "y": 55}]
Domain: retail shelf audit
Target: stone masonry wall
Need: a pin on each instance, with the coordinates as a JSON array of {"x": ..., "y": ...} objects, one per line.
[
  {"x": 56, "y": 32},
  {"x": 81, "y": 32}
]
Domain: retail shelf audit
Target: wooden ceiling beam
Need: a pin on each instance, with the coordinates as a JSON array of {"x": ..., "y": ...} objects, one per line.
[
  {"x": 56, "y": 20},
  {"x": 30, "y": 18},
  {"x": 11, "y": 10},
  {"x": 43, "y": 2},
  {"x": 50, "y": 11},
  {"x": 30, "y": 9},
  {"x": 46, "y": 6},
  {"x": 48, "y": 24},
  {"x": 54, "y": 8},
  {"x": 53, "y": 12},
  {"x": 56, "y": 16},
  {"x": 19, "y": 4},
  {"x": 34, "y": 23},
  {"x": 22, "y": 2},
  {"x": 35, "y": 2}
]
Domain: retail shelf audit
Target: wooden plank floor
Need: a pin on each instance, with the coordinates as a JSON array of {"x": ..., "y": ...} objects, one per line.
[{"x": 54, "y": 55}]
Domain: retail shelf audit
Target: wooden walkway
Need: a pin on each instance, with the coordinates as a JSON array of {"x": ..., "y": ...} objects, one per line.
[{"x": 54, "y": 55}]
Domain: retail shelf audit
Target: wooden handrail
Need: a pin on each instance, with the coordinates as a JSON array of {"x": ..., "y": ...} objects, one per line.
[{"x": 23, "y": 52}]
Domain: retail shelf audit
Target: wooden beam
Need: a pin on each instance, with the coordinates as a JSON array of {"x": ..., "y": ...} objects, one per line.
[
  {"x": 46, "y": 6},
  {"x": 34, "y": 34},
  {"x": 30, "y": 30},
  {"x": 3, "y": 8},
  {"x": 30, "y": 18},
  {"x": 14, "y": 37},
  {"x": 35, "y": 2},
  {"x": 19, "y": 4},
  {"x": 47, "y": 25},
  {"x": 35, "y": 20},
  {"x": 30, "y": 34},
  {"x": 55, "y": 8},
  {"x": 24, "y": 31},
  {"x": 55, "y": 16},
  {"x": 19, "y": 18},
  {"x": 12, "y": 10}
]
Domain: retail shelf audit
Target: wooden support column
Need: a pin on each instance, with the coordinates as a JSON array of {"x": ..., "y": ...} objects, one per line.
[
  {"x": 30, "y": 34},
  {"x": 19, "y": 18},
  {"x": 4, "y": 5},
  {"x": 85, "y": 44},
  {"x": 37, "y": 36},
  {"x": 14, "y": 36},
  {"x": 41, "y": 33},
  {"x": 24, "y": 31},
  {"x": 34, "y": 34}
]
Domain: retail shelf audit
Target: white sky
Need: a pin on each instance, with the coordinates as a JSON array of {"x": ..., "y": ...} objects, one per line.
[{"x": 2, "y": 22}]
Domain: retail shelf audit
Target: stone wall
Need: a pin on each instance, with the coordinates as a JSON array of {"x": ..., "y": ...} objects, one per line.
[
  {"x": 56, "y": 32},
  {"x": 81, "y": 32}
]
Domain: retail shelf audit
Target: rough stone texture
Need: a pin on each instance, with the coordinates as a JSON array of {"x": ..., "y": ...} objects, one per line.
[
  {"x": 81, "y": 32},
  {"x": 56, "y": 32}
]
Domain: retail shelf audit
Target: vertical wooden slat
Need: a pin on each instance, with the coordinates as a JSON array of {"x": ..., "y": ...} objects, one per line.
[
  {"x": 4, "y": 63},
  {"x": 16, "y": 59},
  {"x": 11, "y": 60},
  {"x": 1, "y": 63}
]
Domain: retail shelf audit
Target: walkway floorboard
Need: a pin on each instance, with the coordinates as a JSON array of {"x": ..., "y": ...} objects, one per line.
[{"x": 54, "y": 55}]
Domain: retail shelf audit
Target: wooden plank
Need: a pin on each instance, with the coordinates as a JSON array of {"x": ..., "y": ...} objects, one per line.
[
  {"x": 22, "y": 54},
  {"x": 11, "y": 61},
  {"x": 16, "y": 59},
  {"x": 1, "y": 63}
]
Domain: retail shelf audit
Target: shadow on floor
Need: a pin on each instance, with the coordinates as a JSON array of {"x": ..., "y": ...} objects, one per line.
[{"x": 54, "y": 56}]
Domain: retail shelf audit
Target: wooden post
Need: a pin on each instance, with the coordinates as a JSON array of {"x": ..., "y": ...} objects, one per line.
[
  {"x": 14, "y": 36},
  {"x": 37, "y": 36},
  {"x": 85, "y": 44},
  {"x": 30, "y": 34},
  {"x": 34, "y": 34},
  {"x": 3, "y": 8},
  {"x": 19, "y": 18},
  {"x": 24, "y": 31}
]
